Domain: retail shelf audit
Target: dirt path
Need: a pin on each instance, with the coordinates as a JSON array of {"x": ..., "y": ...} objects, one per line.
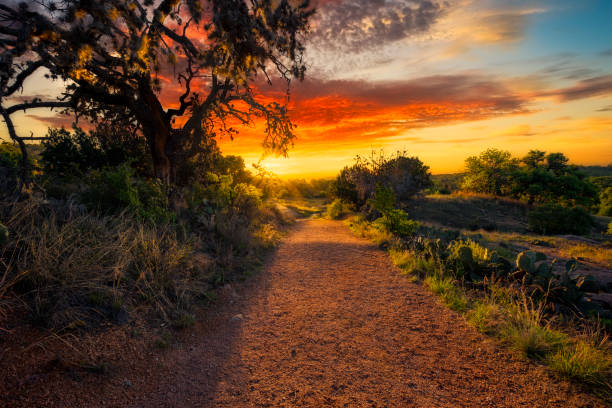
[{"x": 330, "y": 323}]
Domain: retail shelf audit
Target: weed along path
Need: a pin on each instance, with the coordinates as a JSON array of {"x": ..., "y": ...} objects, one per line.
[{"x": 330, "y": 323}]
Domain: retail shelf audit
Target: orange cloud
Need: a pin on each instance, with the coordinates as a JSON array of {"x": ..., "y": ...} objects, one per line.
[{"x": 332, "y": 112}]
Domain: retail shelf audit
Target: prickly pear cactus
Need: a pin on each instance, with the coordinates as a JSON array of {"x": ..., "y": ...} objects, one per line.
[
  {"x": 464, "y": 253},
  {"x": 4, "y": 234},
  {"x": 526, "y": 261}
]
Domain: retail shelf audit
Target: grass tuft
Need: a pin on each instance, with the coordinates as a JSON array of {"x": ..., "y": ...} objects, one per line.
[
  {"x": 451, "y": 295},
  {"x": 584, "y": 362},
  {"x": 527, "y": 332}
]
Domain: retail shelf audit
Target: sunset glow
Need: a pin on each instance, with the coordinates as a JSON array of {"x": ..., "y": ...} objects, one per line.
[{"x": 443, "y": 81}]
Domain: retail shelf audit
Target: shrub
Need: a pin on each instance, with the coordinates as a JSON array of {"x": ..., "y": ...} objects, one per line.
[
  {"x": 397, "y": 222},
  {"x": 487, "y": 317},
  {"x": 527, "y": 332},
  {"x": 113, "y": 190},
  {"x": 405, "y": 176},
  {"x": 336, "y": 209},
  {"x": 10, "y": 162},
  {"x": 245, "y": 199},
  {"x": 605, "y": 202},
  {"x": 267, "y": 236},
  {"x": 10, "y": 158},
  {"x": 557, "y": 219},
  {"x": 384, "y": 199},
  {"x": 69, "y": 154}
]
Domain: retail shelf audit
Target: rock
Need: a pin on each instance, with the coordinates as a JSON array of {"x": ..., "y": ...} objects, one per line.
[
  {"x": 603, "y": 299},
  {"x": 590, "y": 284},
  {"x": 237, "y": 318}
]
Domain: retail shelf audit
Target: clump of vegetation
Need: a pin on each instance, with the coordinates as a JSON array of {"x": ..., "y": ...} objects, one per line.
[
  {"x": 517, "y": 301},
  {"x": 536, "y": 178},
  {"x": 605, "y": 202},
  {"x": 557, "y": 219},
  {"x": 452, "y": 296},
  {"x": 122, "y": 243},
  {"x": 336, "y": 209},
  {"x": 403, "y": 175},
  {"x": 583, "y": 361}
]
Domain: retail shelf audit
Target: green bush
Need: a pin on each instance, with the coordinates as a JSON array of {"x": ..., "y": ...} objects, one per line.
[
  {"x": 397, "y": 222},
  {"x": 69, "y": 154},
  {"x": 405, "y": 176},
  {"x": 557, "y": 219},
  {"x": 10, "y": 162},
  {"x": 219, "y": 193},
  {"x": 10, "y": 155},
  {"x": 336, "y": 209},
  {"x": 605, "y": 202},
  {"x": 113, "y": 190},
  {"x": 536, "y": 178},
  {"x": 384, "y": 199}
]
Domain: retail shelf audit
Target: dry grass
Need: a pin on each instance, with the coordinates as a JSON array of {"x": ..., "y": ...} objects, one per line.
[
  {"x": 73, "y": 269},
  {"x": 594, "y": 253}
]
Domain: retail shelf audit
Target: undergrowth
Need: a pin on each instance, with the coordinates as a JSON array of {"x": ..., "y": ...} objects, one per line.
[
  {"x": 71, "y": 268},
  {"x": 506, "y": 312}
]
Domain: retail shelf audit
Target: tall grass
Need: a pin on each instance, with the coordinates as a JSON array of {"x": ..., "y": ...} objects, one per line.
[{"x": 73, "y": 268}]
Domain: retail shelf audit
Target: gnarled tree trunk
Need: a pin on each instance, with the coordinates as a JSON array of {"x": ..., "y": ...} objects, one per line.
[{"x": 157, "y": 130}]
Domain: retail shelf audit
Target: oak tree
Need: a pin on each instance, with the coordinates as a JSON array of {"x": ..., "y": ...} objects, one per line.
[{"x": 181, "y": 71}]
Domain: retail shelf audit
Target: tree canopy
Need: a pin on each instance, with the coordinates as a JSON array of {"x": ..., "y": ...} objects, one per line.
[
  {"x": 405, "y": 176},
  {"x": 538, "y": 177},
  {"x": 118, "y": 57}
]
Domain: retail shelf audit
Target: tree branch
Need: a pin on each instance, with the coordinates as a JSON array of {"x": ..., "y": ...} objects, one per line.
[{"x": 37, "y": 104}]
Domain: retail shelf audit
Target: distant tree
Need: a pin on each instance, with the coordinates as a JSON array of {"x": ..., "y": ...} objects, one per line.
[
  {"x": 556, "y": 162},
  {"x": 543, "y": 178},
  {"x": 490, "y": 172},
  {"x": 605, "y": 202},
  {"x": 404, "y": 176},
  {"x": 534, "y": 159},
  {"x": 117, "y": 56}
]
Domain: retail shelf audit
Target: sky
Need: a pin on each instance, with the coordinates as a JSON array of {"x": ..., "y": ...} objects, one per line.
[{"x": 441, "y": 80}]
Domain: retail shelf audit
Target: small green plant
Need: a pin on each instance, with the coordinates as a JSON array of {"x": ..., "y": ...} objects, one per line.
[
  {"x": 267, "y": 235},
  {"x": 527, "y": 331},
  {"x": 397, "y": 222},
  {"x": 584, "y": 362},
  {"x": 114, "y": 190},
  {"x": 384, "y": 199},
  {"x": 336, "y": 209},
  {"x": 451, "y": 295},
  {"x": 486, "y": 316}
]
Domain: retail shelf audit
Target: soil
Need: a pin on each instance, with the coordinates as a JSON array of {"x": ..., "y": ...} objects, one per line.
[{"x": 328, "y": 323}]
